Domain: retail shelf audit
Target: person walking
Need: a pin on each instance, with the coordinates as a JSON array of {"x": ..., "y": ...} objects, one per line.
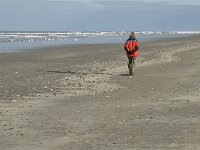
[{"x": 131, "y": 47}]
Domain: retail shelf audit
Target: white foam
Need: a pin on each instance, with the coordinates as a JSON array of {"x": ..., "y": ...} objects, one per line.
[{"x": 26, "y": 36}]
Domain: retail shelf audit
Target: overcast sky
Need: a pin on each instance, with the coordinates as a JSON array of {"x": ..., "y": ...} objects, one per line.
[{"x": 99, "y": 15}]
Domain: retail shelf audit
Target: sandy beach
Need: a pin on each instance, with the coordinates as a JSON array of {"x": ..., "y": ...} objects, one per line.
[{"x": 80, "y": 97}]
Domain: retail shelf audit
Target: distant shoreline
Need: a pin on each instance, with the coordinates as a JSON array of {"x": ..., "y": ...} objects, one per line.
[{"x": 27, "y": 46}]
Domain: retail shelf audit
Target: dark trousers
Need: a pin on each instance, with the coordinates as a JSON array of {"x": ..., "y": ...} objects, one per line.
[{"x": 131, "y": 65}]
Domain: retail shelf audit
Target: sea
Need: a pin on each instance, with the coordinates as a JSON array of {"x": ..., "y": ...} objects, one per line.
[{"x": 14, "y": 41}]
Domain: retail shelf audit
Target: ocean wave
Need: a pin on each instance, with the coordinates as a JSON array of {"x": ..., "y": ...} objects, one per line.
[{"x": 50, "y": 36}]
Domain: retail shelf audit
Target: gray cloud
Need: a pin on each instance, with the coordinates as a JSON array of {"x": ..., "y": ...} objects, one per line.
[
  {"x": 97, "y": 15},
  {"x": 194, "y": 2}
]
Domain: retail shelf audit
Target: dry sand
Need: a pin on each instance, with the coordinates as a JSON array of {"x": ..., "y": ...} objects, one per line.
[{"x": 81, "y": 98}]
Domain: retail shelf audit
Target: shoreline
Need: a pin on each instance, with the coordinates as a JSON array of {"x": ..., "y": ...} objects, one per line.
[
  {"x": 25, "y": 46},
  {"x": 78, "y": 97}
]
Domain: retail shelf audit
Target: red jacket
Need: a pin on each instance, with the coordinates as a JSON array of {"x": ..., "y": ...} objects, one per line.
[{"x": 131, "y": 47}]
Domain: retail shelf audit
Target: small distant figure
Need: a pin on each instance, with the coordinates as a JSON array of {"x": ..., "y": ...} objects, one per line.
[{"x": 131, "y": 47}]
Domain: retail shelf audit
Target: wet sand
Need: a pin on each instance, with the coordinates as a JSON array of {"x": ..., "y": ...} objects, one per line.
[{"x": 80, "y": 97}]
